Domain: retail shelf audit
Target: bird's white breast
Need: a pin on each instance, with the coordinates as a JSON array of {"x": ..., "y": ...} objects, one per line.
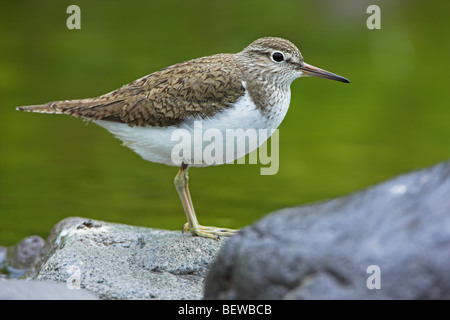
[{"x": 156, "y": 144}]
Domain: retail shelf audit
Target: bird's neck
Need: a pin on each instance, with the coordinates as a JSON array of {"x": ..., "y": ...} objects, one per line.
[{"x": 268, "y": 95}]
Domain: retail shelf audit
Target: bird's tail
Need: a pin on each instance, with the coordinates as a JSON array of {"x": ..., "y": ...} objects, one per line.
[
  {"x": 51, "y": 107},
  {"x": 82, "y": 108},
  {"x": 92, "y": 109}
]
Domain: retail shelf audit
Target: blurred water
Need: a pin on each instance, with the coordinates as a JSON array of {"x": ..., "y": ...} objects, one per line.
[{"x": 336, "y": 138}]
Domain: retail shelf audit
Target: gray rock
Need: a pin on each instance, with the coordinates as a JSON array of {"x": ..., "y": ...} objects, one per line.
[
  {"x": 323, "y": 251},
  {"x": 3, "y": 257},
  {"x": 26, "y": 252},
  {"x": 17, "y": 259},
  {"x": 40, "y": 290},
  {"x": 115, "y": 261}
]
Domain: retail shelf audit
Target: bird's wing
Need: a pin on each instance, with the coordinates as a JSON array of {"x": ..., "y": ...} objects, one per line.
[{"x": 199, "y": 87}]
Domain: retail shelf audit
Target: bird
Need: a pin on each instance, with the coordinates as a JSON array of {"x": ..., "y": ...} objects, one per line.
[{"x": 245, "y": 90}]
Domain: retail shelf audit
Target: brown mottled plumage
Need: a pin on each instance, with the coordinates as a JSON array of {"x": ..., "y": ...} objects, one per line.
[{"x": 197, "y": 87}]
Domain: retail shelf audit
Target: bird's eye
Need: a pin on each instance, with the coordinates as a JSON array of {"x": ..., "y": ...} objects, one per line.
[{"x": 277, "y": 56}]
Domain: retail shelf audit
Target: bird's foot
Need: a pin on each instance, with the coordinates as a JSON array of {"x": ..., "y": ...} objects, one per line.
[{"x": 209, "y": 232}]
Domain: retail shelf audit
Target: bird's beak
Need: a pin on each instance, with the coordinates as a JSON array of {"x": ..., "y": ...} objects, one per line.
[{"x": 317, "y": 72}]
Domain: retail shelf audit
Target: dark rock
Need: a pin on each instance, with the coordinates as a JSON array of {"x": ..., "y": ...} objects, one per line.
[
  {"x": 323, "y": 251},
  {"x": 115, "y": 261}
]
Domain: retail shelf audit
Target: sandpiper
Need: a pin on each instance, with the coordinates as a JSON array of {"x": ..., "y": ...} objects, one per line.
[{"x": 245, "y": 90}]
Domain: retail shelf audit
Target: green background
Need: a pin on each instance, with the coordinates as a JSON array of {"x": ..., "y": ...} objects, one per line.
[{"x": 337, "y": 138}]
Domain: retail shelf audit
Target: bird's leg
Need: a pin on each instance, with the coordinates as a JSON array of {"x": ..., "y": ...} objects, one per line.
[{"x": 181, "y": 184}]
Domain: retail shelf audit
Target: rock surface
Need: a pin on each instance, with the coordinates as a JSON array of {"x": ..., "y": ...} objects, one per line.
[
  {"x": 326, "y": 250},
  {"x": 115, "y": 261},
  {"x": 40, "y": 290}
]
